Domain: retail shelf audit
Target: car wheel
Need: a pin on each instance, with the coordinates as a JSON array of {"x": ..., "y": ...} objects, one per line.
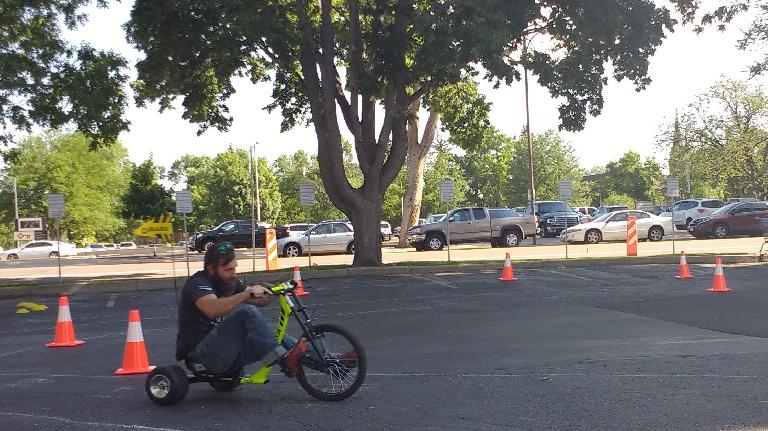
[
  {"x": 511, "y": 238},
  {"x": 292, "y": 250},
  {"x": 656, "y": 233},
  {"x": 720, "y": 231},
  {"x": 434, "y": 243},
  {"x": 351, "y": 248},
  {"x": 53, "y": 254},
  {"x": 688, "y": 222},
  {"x": 208, "y": 245},
  {"x": 13, "y": 257},
  {"x": 593, "y": 236}
]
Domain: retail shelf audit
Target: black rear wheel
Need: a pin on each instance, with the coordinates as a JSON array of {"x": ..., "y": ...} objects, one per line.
[
  {"x": 337, "y": 369},
  {"x": 167, "y": 385}
]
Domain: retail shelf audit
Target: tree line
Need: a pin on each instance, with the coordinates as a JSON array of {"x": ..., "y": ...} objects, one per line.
[{"x": 721, "y": 138}]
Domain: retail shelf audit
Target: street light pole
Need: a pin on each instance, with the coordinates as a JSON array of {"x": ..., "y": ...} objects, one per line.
[
  {"x": 532, "y": 187},
  {"x": 16, "y": 209},
  {"x": 258, "y": 194},
  {"x": 253, "y": 219}
]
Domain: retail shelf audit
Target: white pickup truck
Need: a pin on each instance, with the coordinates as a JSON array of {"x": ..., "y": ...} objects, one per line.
[{"x": 501, "y": 227}]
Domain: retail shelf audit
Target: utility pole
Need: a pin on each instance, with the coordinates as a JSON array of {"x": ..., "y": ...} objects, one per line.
[
  {"x": 16, "y": 209},
  {"x": 258, "y": 195},
  {"x": 532, "y": 186},
  {"x": 253, "y": 215}
]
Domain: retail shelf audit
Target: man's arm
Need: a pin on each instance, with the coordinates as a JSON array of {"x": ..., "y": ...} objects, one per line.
[{"x": 214, "y": 307}]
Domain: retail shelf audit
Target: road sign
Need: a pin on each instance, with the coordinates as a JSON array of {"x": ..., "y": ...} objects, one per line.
[
  {"x": 23, "y": 236},
  {"x": 566, "y": 190},
  {"x": 55, "y": 205},
  {"x": 446, "y": 191},
  {"x": 183, "y": 201},
  {"x": 307, "y": 193},
  {"x": 30, "y": 224},
  {"x": 673, "y": 187},
  {"x": 158, "y": 227}
]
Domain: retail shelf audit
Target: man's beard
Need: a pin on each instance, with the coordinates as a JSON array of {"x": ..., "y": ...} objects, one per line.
[{"x": 226, "y": 287}]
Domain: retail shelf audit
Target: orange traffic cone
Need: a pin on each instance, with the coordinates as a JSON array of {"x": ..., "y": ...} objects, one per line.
[
  {"x": 683, "y": 272},
  {"x": 135, "y": 360},
  {"x": 65, "y": 329},
  {"x": 718, "y": 283},
  {"x": 299, "y": 284},
  {"x": 507, "y": 274}
]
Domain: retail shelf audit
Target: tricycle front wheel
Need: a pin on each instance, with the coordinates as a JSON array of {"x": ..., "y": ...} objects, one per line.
[{"x": 335, "y": 368}]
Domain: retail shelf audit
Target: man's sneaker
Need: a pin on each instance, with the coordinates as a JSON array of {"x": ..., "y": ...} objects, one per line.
[{"x": 291, "y": 361}]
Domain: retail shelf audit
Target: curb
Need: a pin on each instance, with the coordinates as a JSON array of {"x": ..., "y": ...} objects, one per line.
[{"x": 143, "y": 285}]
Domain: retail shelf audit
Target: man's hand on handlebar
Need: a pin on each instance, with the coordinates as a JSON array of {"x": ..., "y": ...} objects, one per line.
[{"x": 259, "y": 295}]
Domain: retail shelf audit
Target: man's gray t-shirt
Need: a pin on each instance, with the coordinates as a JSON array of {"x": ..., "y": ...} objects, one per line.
[{"x": 194, "y": 325}]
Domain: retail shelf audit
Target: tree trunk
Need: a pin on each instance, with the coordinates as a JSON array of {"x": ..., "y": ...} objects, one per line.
[
  {"x": 366, "y": 219},
  {"x": 416, "y": 159}
]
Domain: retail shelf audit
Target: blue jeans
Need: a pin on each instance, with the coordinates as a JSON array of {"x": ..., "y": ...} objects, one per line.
[{"x": 242, "y": 338}]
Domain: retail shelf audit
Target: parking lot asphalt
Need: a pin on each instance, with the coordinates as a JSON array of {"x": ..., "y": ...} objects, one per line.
[{"x": 605, "y": 348}]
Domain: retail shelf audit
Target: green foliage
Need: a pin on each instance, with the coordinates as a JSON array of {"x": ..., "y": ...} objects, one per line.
[
  {"x": 47, "y": 82},
  {"x": 724, "y": 137},
  {"x": 442, "y": 164},
  {"x": 146, "y": 197},
  {"x": 618, "y": 199},
  {"x": 629, "y": 176},
  {"x": 220, "y": 188},
  {"x": 92, "y": 181}
]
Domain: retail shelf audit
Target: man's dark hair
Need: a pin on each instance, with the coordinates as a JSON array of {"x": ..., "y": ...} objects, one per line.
[{"x": 219, "y": 254}]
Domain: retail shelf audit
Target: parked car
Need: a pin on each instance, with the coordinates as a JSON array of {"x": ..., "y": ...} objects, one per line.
[
  {"x": 605, "y": 209},
  {"x": 660, "y": 209},
  {"x": 297, "y": 229},
  {"x": 97, "y": 247},
  {"x": 688, "y": 210},
  {"x": 238, "y": 232},
  {"x": 386, "y": 231},
  {"x": 553, "y": 217},
  {"x": 733, "y": 200},
  {"x": 329, "y": 237},
  {"x": 613, "y": 227},
  {"x": 38, "y": 249},
  {"x": 738, "y": 218},
  {"x": 128, "y": 246},
  {"x": 499, "y": 226},
  {"x": 587, "y": 211}
]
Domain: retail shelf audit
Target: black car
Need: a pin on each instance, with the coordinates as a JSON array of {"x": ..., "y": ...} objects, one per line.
[
  {"x": 238, "y": 232},
  {"x": 553, "y": 217}
]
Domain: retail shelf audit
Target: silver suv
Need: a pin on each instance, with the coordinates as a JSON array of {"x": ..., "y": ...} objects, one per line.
[{"x": 687, "y": 210}]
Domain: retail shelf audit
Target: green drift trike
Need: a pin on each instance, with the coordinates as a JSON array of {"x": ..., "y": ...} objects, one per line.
[{"x": 334, "y": 370}]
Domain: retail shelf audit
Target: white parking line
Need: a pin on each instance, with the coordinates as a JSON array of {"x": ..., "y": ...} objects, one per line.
[
  {"x": 431, "y": 280},
  {"x": 562, "y": 273},
  {"x": 92, "y": 424}
]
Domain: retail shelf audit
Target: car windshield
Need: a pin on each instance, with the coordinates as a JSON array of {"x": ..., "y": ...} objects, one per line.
[
  {"x": 725, "y": 209},
  {"x": 553, "y": 207}
]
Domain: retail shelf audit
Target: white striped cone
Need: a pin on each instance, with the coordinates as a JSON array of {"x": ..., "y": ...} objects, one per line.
[
  {"x": 65, "y": 329},
  {"x": 135, "y": 359},
  {"x": 718, "y": 282}
]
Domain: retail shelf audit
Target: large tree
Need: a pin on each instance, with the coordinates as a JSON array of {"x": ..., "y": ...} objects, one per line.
[
  {"x": 723, "y": 135},
  {"x": 48, "y": 82},
  {"x": 349, "y": 61}
]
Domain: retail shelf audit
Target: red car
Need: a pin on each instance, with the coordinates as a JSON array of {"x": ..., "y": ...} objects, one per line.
[{"x": 739, "y": 218}]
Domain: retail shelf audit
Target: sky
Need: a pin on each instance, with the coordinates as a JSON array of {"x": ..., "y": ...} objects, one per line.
[{"x": 683, "y": 67}]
